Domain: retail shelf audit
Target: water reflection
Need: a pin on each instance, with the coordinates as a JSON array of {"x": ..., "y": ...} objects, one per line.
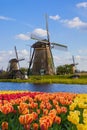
[{"x": 44, "y": 87}]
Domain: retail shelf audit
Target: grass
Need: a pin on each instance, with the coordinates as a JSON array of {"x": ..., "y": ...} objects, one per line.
[{"x": 61, "y": 79}]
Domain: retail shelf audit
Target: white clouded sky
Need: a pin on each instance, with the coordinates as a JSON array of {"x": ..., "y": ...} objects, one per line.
[
  {"x": 82, "y": 5},
  {"x": 75, "y": 23},
  {"x": 67, "y": 22},
  {"x": 56, "y": 17}
]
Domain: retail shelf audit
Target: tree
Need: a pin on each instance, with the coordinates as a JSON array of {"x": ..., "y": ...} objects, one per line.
[
  {"x": 23, "y": 70},
  {"x": 64, "y": 69}
]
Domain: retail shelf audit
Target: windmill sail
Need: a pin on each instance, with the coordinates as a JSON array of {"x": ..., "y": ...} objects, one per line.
[
  {"x": 31, "y": 60},
  {"x": 48, "y": 37},
  {"x": 74, "y": 61},
  {"x": 59, "y": 46},
  {"x": 16, "y": 52},
  {"x": 35, "y": 37},
  {"x": 17, "y": 56}
]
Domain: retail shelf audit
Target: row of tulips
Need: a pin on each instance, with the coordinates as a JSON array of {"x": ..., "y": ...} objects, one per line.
[{"x": 24, "y": 110}]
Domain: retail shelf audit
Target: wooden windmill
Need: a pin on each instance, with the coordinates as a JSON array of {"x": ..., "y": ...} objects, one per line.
[
  {"x": 74, "y": 65},
  {"x": 14, "y": 66},
  {"x": 41, "y": 59}
]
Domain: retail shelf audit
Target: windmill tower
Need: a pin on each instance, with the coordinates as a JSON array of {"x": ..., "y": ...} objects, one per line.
[
  {"x": 74, "y": 65},
  {"x": 42, "y": 58},
  {"x": 14, "y": 67}
]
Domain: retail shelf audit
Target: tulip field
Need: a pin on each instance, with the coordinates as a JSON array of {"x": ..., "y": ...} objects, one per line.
[{"x": 25, "y": 110}]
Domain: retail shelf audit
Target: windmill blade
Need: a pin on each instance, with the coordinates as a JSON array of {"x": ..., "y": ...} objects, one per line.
[
  {"x": 30, "y": 53},
  {"x": 30, "y": 63},
  {"x": 40, "y": 40},
  {"x": 74, "y": 61},
  {"x": 16, "y": 52},
  {"x": 21, "y": 59},
  {"x": 35, "y": 37},
  {"x": 59, "y": 46},
  {"x": 17, "y": 56},
  {"x": 48, "y": 37}
]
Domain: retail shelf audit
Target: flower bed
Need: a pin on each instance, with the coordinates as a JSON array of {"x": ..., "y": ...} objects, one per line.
[{"x": 24, "y": 110}]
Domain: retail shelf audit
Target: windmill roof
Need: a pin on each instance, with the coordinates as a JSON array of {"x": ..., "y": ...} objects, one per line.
[
  {"x": 41, "y": 43},
  {"x": 13, "y": 60}
]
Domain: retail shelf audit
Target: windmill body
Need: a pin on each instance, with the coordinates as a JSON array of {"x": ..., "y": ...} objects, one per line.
[
  {"x": 13, "y": 64},
  {"x": 42, "y": 59},
  {"x": 74, "y": 65}
]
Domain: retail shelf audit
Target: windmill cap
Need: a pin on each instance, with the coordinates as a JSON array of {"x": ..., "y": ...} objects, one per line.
[
  {"x": 40, "y": 43},
  {"x": 13, "y": 60}
]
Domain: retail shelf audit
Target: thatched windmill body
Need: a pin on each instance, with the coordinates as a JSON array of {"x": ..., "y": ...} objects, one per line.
[
  {"x": 41, "y": 59},
  {"x": 14, "y": 67}
]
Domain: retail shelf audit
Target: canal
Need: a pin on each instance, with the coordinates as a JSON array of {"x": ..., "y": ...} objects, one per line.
[{"x": 44, "y": 87}]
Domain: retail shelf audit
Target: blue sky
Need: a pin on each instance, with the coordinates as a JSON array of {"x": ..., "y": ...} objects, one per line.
[{"x": 67, "y": 20}]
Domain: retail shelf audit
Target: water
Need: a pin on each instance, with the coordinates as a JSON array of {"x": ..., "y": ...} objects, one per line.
[{"x": 44, "y": 87}]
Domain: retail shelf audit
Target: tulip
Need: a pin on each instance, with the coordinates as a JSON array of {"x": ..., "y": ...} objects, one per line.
[{"x": 4, "y": 125}]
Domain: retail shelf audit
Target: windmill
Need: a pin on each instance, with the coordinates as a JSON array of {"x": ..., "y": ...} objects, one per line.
[
  {"x": 14, "y": 66},
  {"x": 74, "y": 65},
  {"x": 41, "y": 59}
]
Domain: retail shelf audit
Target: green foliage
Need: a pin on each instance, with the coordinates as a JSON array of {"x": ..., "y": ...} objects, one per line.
[
  {"x": 59, "y": 79},
  {"x": 23, "y": 70},
  {"x": 12, "y": 120},
  {"x": 64, "y": 69}
]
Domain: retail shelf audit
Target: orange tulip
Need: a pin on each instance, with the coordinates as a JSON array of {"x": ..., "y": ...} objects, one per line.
[
  {"x": 26, "y": 119},
  {"x": 57, "y": 120},
  {"x": 27, "y": 127},
  {"x": 45, "y": 122},
  {"x": 35, "y": 126},
  {"x": 4, "y": 125},
  {"x": 35, "y": 115},
  {"x": 45, "y": 111},
  {"x": 63, "y": 109},
  {"x": 23, "y": 108},
  {"x": 38, "y": 111},
  {"x": 43, "y": 126},
  {"x": 7, "y": 108}
]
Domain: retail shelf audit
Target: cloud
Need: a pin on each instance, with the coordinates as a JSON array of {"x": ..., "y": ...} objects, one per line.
[
  {"x": 39, "y": 32},
  {"x": 56, "y": 17},
  {"x": 82, "y": 52},
  {"x": 61, "y": 58},
  {"x": 4, "y": 58},
  {"x": 1, "y": 59},
  {"x": 81, "y": 58},
  {"x": 6, "y": 18},
  {"x": 82, "y": 4},
  {"x": 75, "y": 23},
  {"x": 22, "y": 36},
  {"x": 23, "y": 52},
  {"x": 78, "y": 57}
]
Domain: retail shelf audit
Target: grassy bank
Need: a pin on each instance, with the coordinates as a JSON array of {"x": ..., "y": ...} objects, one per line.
[{"x": 63, "y": 79}]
